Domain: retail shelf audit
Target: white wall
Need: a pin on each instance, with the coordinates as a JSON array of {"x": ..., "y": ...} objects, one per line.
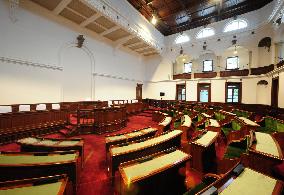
[{"x": 36, "y": 39}]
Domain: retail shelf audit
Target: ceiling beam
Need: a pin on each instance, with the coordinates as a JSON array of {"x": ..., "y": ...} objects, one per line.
[
  {"x": 61, "y": 6},
  {"x": 110, "y": 30},
  {"x": 91, "y": 19}
]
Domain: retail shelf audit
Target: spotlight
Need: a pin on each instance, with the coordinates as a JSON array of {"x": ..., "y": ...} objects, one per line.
[{"x": 154, "y": 20}]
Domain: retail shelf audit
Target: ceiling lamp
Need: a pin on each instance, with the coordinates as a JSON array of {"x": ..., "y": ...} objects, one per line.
[
  {"x": 154, "y": 20},
  {"x": 235, "y": 52}
]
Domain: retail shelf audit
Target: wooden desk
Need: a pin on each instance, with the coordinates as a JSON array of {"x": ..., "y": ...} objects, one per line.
[
  {"x": 129, "y": 137},
  {"x": 203, "y": 152},
  {"x": 17, "y": 165},
  {"x": 267, "y": 151},
  {"x": 120, "y": 154},
  {"x": 213, "y": 125},
  {"x": 52, "y": 185},
  {"x": 32, "y": 144},
  {"x": 251, "y": 182},
  {"x": 155, "y": 174},
  {"x": 164, "y": 125},
  {"x": 248, "y": 182},
  {"x": 185, "y": 126}
]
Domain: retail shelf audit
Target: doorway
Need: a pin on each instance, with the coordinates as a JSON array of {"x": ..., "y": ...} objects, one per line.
[
  {"x": 180, "y": 92},
  {"x": 274, "y": 92},
  {"x": 204, "y": 92},
  {"x": 139, "y": 92}
]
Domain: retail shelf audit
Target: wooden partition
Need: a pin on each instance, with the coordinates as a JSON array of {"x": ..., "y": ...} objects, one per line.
[
  {"x": 17, "y": 125},
  {"x": 109, "y": 119}
]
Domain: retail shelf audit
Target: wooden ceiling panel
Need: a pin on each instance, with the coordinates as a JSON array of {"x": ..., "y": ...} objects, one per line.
[
  {"x": 72, "y": 16},
  {"x": 50, "y": 5},
  {"x": 150, "y": 54},
  {"x": 81, "y": 8},
  {"x": 179, "y": 15},
  {"x": 117, "y": 34},
  {"x": 138, "y": 46},
  {"x": 94, "y": 27},
  {"x": 148, "y": 50},
  {"x": 105, "y": 22},
  {"x": 132, "y": 41}
]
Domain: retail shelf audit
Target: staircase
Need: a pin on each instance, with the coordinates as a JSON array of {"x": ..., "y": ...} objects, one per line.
[{"x": 69, "y": 130}]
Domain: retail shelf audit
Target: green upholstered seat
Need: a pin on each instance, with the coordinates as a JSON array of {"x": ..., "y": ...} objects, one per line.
[
  {"x": 271, "y": 125},
  {"x": 235, "y": 149}
]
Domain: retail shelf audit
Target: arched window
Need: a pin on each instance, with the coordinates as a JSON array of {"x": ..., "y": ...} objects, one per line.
[
  {"x": 235, "y": 25},
  {"x": 182, "y": 39},
  {"x": 206, "y": 32}
]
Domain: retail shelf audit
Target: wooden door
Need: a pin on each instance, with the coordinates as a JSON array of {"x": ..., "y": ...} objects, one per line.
[
  {"x": 274, "y": 92},
  {"x": 139, "y": 92}
]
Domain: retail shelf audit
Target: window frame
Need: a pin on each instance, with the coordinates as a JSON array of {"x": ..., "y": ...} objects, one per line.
[
  {"x": 182, "y": 35},
  {"x": 232, "y": 21},
  {"x": 190, "y": 68},
  {"x": 239, "y": 84},
  {"x": 201, "y": 31},
  {"x": 238, "y": 65},
  {"x": 211, "y": 66}
]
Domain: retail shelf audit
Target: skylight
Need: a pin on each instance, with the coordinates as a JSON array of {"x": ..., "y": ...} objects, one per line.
[
  {"x": 206, "y": 32},
  {"x": 235, "y": 25},
  {"x": 182, "y": 39}
]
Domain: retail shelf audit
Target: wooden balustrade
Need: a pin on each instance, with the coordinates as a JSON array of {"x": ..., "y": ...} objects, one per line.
[
  {"x": 205, "y": 75},
  {"x": 262, "y": 70},
  {"x": 230, "y": 73},
  {"x": 16, "y": 125},
  {"x": 182, "y": 76}
]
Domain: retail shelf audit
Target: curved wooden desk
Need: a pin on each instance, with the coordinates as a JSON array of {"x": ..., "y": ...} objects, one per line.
[
  {"x": 32, "y": 144},
  {"x": 18, "y": 165},
  {"x": 119, "y": 154},
  {"x": 267, "y": 151},
  {"x": 147, "y": 174},
  {"x": 129, "y": 137},
  {"x": 52, "y": 185},
  {"x": 203, "y": 152}
]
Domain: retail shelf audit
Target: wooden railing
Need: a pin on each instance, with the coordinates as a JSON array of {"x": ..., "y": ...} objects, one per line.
[
  {"x": 205, "y": 75},
  {"x": 229, "y": 73},
  {"x": 262, "y": 70}
]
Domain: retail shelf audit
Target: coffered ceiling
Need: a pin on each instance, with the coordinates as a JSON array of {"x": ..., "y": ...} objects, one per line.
[
  {"x": 179, "y": 15},
  {"x": 89, "y": 18}
]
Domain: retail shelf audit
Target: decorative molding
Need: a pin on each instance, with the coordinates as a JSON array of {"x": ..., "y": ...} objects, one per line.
[
  {"x": 276, "y": 71},
  {"x": 275, "y": 10},
  {"x": 116, "y": 77},
  {"x": 130, "y": 26},
  {"x": 14, "y": 5},
  {"x": 29, "y": 63},
  {"x": 210, "y": 79}
]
